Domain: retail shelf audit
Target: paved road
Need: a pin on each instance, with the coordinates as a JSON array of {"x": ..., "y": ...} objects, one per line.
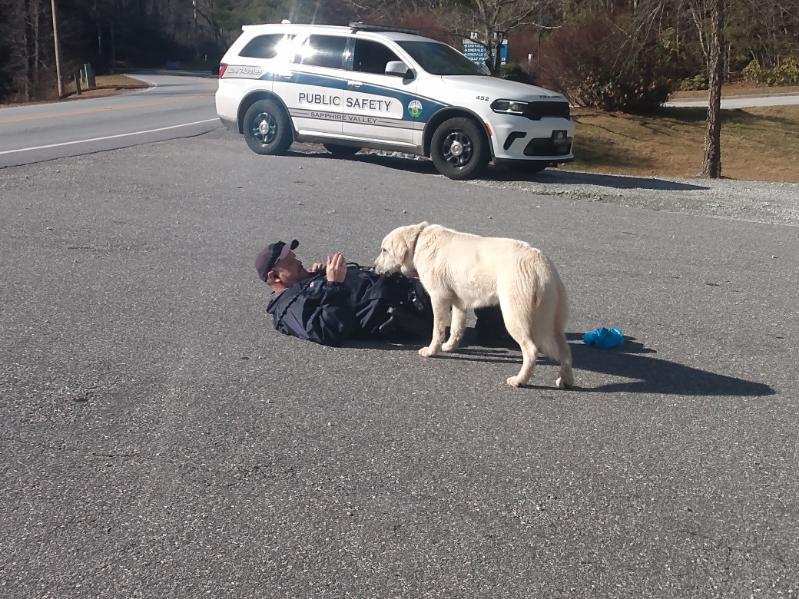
[
  {"x": 160, "y": 439},
  {"x": 741, "y": 102},
  {"x": 176, "y": 107}
]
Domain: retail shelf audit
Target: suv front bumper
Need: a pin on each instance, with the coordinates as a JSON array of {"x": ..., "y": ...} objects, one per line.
[{"x": 518, "y": 138}]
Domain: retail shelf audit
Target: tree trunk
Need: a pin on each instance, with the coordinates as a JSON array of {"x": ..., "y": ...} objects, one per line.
[
  {"x": 113, "y": 46},
  {"x": 25, "y": 50},
  {"x": 35, "y": 61},
  {"x": 711, "y": 166}
]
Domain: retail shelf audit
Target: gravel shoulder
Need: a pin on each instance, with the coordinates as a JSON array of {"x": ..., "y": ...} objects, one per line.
[{"x": 754, "y": 201}]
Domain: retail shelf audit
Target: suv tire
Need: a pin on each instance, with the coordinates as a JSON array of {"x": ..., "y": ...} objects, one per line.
[
  {"x": 340, "y": 151},
  {"x": 459, "y": 148},
  {"x": 267, "y": 128}
]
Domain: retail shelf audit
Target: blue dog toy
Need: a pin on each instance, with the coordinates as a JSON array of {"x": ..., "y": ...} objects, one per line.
[{"x": 603, "y": 337}]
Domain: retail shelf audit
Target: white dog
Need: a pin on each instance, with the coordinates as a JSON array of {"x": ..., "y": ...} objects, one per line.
[{"x": 462, "y": 271}]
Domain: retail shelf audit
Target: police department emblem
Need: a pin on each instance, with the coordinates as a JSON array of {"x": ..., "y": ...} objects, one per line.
[{"x": 415, "y": 108}]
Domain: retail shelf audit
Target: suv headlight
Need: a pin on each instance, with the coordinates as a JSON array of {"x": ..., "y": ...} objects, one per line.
[{"x": 509, "y": 106}]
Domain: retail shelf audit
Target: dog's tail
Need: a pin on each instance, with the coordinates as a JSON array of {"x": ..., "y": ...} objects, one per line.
[
  {"x": 552, "y": 312},
  {"x": 562, "y": 305}
]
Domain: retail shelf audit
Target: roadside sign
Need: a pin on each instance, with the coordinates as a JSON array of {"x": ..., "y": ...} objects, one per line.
[
  {"x": 478, "y": 53},
  {"x": 503, "y": 52},
  {"x": 475, "y": 52}
]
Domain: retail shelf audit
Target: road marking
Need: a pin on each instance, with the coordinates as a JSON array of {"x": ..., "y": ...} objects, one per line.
[
  {"x": 81, "y": 141},
  {"x": 70, "y": 113}
]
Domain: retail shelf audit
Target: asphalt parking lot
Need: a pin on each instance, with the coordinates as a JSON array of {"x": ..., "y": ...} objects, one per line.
[{"x": 160, "y": 439}]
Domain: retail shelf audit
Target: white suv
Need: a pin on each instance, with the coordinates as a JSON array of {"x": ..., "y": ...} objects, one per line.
[{"x": 373, "y": 87}]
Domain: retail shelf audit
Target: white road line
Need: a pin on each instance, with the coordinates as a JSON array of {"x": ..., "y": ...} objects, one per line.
[{"x": 82, "y": 141}]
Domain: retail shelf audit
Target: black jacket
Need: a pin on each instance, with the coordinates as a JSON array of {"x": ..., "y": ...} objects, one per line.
[{"x": 363, "y": 305}]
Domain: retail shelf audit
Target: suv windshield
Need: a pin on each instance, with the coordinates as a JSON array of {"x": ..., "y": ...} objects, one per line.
[{"x": 440, "y": 59}]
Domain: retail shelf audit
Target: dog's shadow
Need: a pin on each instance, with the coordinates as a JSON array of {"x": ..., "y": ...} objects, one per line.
[{"x": 631, "y": 360}]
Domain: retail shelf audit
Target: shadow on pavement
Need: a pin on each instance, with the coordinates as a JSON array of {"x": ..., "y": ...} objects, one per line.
[
  {"x": 633, "y": 360},
  {"x": 552, "y": 176},
  {"x": 613, "y": 181}
]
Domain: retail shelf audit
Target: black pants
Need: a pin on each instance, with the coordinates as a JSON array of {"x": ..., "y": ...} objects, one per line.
[{"x": 413, "y": 313}]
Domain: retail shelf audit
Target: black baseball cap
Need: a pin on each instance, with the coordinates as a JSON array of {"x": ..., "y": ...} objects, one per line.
[{"x": 270, "y": 254}]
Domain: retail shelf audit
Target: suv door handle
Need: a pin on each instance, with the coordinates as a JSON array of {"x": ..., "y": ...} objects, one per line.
[{"x": 354, "y": 83}]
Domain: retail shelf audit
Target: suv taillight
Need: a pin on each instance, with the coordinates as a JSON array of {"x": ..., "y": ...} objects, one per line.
[{"x": 222, "y": 69}]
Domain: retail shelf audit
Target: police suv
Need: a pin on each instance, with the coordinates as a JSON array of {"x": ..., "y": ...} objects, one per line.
[{"x": 367, "y": 86}]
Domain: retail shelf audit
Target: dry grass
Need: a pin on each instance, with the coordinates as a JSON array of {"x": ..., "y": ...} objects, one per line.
[
  {"x": 737, "y": 89},
  {"x": 107, "y": 85},
  {"x": 757, "y": 143}
]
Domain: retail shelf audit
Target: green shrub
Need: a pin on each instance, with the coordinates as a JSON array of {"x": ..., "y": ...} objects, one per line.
[
  {"x": 513, "y": 71},
  {"x": 753, "y": 72},
  {"x": 697, "y": 82},
  {"x": 784, "y": 73}
]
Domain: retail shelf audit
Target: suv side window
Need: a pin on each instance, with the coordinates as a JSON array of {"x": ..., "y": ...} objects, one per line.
[
  {"x": 324, "y": 51},
  {"x": 263, "y": 46},
  {"x": 371, "y": 57}
]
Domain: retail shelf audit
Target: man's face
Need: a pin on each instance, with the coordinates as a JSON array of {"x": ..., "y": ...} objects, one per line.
[{"x": 289, "y": 269}]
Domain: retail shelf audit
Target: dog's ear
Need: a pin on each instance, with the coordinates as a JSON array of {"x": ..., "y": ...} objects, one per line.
[{"x": 412, "y": 233}]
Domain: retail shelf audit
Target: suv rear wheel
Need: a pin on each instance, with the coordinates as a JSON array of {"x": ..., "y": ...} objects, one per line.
[
  {"x": 459, "y": 148},
  {"x": 340, "y": 151},
  {"x": 267, "y": 128}
]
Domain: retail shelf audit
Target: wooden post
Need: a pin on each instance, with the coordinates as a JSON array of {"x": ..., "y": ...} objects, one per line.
[{"x": 57, "y": 49}]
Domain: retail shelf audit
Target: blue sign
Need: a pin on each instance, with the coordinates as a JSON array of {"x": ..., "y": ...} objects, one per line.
[
  {"x": 503, "y": 52},
  {"x": 478, "y": 53},
  {"x": 475, "y": 52}
]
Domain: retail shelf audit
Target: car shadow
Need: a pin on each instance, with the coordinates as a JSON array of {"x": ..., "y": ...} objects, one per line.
[
  {"x": 612, "y": 181},
  {"x": 550, "y": 176},
  {"x": 632, "y": 360}
]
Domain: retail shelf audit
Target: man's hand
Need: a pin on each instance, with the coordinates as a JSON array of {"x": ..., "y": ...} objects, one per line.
[
  {"x": 336, "y": 268},
  {"x": 316, "y": 267}
]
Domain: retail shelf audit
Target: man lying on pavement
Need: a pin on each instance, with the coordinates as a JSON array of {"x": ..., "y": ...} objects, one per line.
[{"x": 336, "y": 301}]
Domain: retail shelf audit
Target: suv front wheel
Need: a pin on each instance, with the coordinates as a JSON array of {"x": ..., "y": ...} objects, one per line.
[
  {"x": 267, "y": 128},
  {"x": 459, "y": 148}
]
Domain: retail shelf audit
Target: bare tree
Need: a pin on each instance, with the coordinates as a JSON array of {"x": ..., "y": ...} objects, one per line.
[
  {"x": 707, "y": 17},
  {"x": 492, "y": 20},
  {"x": 485, "y": 22},
  {"x": 711, "y": 165}
]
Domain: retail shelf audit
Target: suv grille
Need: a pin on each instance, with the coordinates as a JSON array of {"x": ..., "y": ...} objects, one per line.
[
  {"x": 546, "y": 147},
  {"x": 545, "y": 108}
]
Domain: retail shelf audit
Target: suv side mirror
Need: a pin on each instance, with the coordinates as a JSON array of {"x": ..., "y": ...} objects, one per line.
[{"x": 397, "y": 68}]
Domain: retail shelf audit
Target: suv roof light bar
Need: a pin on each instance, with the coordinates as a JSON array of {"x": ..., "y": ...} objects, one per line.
[{"x": 361, "y": 26}]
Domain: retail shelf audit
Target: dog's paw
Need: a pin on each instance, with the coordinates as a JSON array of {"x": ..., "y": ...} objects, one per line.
[
  {"x": 449, "y": 346},
  {"x": 426, "y": 352},
  {"x": 514, "y": 381},
  {"x": 564, "y": 383}
]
